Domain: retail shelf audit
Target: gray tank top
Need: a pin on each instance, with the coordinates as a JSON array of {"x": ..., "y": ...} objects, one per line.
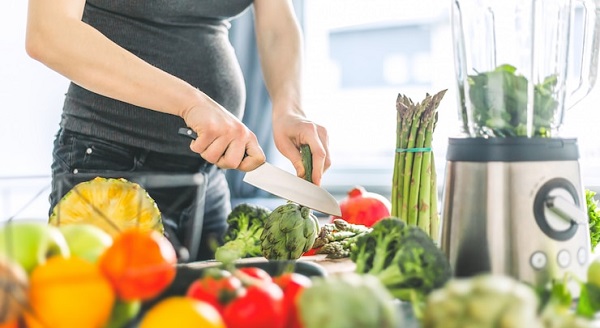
[{"x": 187, "y": 38}]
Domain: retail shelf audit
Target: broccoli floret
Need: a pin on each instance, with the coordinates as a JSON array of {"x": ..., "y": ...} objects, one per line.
[
  {"x": 245, "y": 225},
  {"x": 403, "y": 257}
]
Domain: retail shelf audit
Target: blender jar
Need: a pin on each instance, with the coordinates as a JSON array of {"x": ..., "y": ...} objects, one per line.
[{"x": 511, "y": 64}]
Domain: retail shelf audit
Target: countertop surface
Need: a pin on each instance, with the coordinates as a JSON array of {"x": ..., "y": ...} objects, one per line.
[{"x": 331, "y": 266}]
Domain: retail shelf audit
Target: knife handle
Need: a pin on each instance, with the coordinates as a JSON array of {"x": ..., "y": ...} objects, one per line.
[
  {"x": 188, "y": 133},
  {"x": 304, "y": 150}
]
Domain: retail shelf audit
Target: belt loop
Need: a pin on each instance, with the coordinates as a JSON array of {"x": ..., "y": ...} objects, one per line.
[{"x": 140, "y": 159}]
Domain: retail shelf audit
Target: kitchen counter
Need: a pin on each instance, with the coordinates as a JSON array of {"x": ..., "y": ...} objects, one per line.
[
  {"x": 315, "y": 265},
  {"x": 331, "y": 266}
]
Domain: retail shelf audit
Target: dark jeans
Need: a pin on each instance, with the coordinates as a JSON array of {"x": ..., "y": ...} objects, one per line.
[{"x": 78, "y": 158}]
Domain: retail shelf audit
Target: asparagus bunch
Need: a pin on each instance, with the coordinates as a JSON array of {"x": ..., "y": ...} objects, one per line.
[{"x": 414, "y": 185}]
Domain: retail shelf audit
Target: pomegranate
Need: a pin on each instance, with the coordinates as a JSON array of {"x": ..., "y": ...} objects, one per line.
[{"x": 364, "y": 207}]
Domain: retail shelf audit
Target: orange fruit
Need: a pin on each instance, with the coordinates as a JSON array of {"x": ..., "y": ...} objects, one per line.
[
  {"x": 69, "y": 293},
  {"x": 14, "y": 323},
  {"x": 181, "y": 311},
  {"x": 140, "y": 264}
]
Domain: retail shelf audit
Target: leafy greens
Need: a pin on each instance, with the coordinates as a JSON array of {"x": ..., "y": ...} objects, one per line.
[{"x": 499, "y": 99}]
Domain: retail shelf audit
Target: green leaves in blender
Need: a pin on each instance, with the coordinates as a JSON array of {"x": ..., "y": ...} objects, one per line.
[{"x": 499, "y": 101}]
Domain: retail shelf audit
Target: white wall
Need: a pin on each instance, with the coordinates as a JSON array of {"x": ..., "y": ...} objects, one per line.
[{"x": 31, "y": 96}]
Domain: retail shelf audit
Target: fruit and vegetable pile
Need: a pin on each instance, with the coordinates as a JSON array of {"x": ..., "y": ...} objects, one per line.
[
  {"x": 78, "y": 275},
  {"x": 97, "y": 267}
]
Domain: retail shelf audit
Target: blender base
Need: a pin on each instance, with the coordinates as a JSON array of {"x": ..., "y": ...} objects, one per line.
[{"x": 515, "y": 207}]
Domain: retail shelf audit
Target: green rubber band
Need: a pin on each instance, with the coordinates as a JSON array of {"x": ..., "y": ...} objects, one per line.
[{"x": 413, "y": 150}]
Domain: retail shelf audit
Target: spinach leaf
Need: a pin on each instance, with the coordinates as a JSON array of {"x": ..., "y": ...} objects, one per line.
[{"x": 499, "y": 100}]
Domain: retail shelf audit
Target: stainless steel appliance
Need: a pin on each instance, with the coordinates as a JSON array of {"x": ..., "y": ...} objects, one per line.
[{"x": 513, "y": 199}]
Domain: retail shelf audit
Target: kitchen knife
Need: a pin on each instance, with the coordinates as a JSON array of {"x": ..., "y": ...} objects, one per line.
[{"x": 287, "y": 185}]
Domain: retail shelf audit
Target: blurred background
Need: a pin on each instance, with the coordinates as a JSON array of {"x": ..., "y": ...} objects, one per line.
[{"x": 359, "y": 55}]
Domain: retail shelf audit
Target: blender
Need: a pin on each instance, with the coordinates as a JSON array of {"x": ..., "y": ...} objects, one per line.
[{"x": 513, "y": 198}]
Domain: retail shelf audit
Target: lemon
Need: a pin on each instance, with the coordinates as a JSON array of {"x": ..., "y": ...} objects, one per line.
[{"x": 181, "y": 311}]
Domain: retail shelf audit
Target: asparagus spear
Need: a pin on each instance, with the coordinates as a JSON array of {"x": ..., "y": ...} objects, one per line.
[
  {"x": 338, "y": 230},
  {"x": 423, "y": 204},
  {"x": 340, "y": 248},
  {"x": 407, "y": 184},
  {"x": 427, "y": 179},
  {"x": 414, "y": 178},
  {"x": 405, "y": 113}
]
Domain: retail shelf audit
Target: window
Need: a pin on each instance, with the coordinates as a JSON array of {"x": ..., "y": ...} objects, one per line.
[{"x": 359, "y": 56}]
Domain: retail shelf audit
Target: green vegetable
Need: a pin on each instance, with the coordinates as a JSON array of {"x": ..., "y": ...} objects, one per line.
[
  {"x": 347, "y": 301},
  {"x": 499, "y": 101},
  {"x": 560, "y": 309},
  {"x": 403, "y": 258},
  {"x": 306, "y": 162},
  {"x": 594, "y": 217},
  {"x": 242, "y": 238},
  {"x": 289, "y": 231},
  {"x": 123, "y": 313},
  {"x": 337, "y": 238},
  {"x": 482, "y": 301},
  {"x": 414, "y": 186}
]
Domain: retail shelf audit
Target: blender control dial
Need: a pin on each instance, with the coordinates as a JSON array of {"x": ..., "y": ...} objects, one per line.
[{"x": 556, "y": 209}]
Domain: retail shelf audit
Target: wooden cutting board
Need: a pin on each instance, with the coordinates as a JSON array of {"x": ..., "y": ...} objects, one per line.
[{"x": 331, "y": 266}]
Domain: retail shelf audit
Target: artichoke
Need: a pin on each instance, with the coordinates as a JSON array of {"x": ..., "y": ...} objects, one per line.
[{"x": 289, "y": 231}]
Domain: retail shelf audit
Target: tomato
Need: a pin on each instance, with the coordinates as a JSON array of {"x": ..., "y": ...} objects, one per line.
[
  {"x": 261, "y": 306},
  {"x": 292, "y": 285},
  {"x": 217, "y": 287},
  {"x": 257, "y": 273}
]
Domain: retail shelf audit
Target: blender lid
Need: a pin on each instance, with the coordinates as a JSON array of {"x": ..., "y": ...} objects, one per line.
[{"x": 512, "y": 149}]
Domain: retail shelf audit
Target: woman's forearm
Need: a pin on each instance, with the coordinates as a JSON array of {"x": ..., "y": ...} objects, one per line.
[
  {"x": 57, "y": 37},
  {"x": 279, "y": 43}
]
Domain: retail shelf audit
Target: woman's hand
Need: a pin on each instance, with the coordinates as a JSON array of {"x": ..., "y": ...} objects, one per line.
[
  {"x": 222, "y": 139},
  {"x": 290, "y": 131},
  {"x": 279, "y": 40}
]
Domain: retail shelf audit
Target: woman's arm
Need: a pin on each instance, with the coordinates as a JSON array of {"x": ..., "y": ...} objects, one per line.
[
  {"x": 279, "y": 40},
  {"x": 57, "y": 37}
]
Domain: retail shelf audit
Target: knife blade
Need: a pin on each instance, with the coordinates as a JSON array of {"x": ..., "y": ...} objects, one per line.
[{"x": 286, "y": 185}]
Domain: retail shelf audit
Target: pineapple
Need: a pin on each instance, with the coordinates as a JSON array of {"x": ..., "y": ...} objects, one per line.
[{"x": 113, "y": 204}]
